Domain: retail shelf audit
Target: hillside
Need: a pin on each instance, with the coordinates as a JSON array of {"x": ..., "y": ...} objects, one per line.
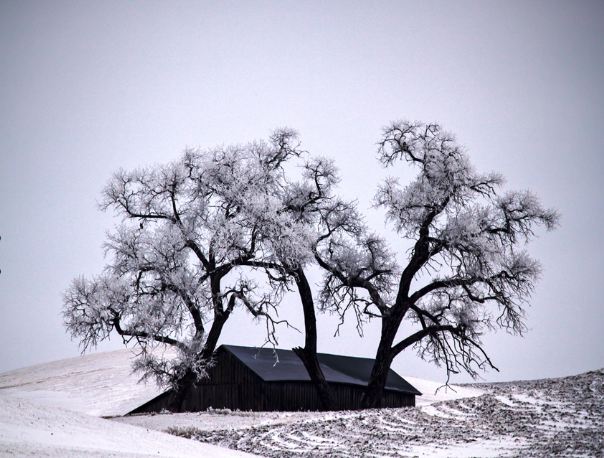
[
  {"x": 31, "y": 429},
  {"x": 550, "y": 417},
  {"x": 52, "y": 410},
  {"x": 99, "y": 384}
]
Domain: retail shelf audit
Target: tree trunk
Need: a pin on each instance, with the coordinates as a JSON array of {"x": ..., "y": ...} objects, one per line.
[
  {"x": 214, "y": 334},
  {"x": 308, "y": 354},
  {"x": 189, "y": 381},
  {"x": 183, "y": 387},
  {"x": 221, "y": 315},
  {"x": 374, "y": 395}
]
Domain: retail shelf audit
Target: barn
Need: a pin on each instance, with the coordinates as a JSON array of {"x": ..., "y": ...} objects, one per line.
[{"x": 249, "y": 378}]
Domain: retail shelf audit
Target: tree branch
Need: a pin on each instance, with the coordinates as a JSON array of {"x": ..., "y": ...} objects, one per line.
[{"x": 132, "y": 333}]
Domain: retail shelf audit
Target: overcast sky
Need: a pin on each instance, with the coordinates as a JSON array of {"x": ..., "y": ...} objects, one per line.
[{"x": 89, "y": 87}]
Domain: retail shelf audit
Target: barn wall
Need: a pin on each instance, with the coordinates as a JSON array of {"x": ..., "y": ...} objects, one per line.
[
  {"x": 276, "y": 396},
  {"x": 291, "y": 396}
]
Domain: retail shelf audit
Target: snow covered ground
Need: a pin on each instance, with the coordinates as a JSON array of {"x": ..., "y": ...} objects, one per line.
[
  {"x": 555, "y": 417},
  {"x": 31, "y": 429},
  {"x": 435, "y": 391},
  {"x": 53, "y": 410},
  {"x": 100, "y": 384}
]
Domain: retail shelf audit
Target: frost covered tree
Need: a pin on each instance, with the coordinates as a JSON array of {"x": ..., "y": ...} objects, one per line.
[
  {"x": 177, "y": 260},
  {"x": 466, "y": 271},
  {"x": 311, "y": 201},
  {"x": 193, "y": 232}
]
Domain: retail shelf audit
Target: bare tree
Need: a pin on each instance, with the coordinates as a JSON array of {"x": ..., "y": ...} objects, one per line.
[
  {"x": 193, "y": 230},
  {"x": 467, "y": 270},
  {"x": 311, "y": 202},
  {"x": 173, "y": 277}
]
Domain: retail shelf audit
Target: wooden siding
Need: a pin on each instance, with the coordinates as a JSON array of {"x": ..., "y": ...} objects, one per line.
[{"x": 274, "y": 396}]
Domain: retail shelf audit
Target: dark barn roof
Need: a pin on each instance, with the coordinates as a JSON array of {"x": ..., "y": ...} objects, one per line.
[{"x": 336, "y": 368}]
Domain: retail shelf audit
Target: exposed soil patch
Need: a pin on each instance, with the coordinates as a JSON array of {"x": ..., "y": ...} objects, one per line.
[{"x": 550, "y": 417}]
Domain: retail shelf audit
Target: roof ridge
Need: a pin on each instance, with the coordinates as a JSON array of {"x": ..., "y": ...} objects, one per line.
[{"x": 291, "y": 351}]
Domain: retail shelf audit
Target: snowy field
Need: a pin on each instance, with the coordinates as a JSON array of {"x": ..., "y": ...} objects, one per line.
[
  {"x": 54, "y": 409},
  {"x": 100, "y": 384},
  {"x": 557, "y": 417}
]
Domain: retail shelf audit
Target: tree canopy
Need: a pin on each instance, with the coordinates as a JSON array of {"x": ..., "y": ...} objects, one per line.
[
  {"x": 468, "y": 269},
  {"x": 192, "y": 231},
  {"x": 185, "y": 228}
]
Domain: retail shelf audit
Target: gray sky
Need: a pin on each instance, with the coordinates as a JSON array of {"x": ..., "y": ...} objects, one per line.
[{"x": 88, "y": 87}]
